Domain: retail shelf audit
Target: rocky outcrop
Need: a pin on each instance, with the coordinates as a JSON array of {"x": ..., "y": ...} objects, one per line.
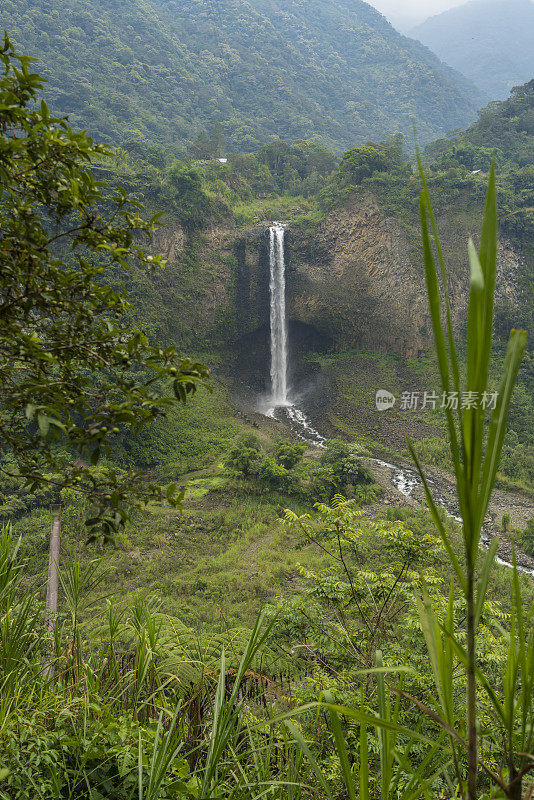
[
  {"x": 356, "y": 278},
  {"x": 352, "y": 277}
]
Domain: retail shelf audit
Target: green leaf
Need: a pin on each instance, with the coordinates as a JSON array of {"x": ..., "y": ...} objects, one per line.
[
  {"x": 483, "y": 580},
  {"x": 298, "y": 737},
  {"x": 44, "y": 424},
  {"x": 341, "y": 748},
  {"x": 437, "y": 519},
  {"x": 497, "y": 428}
]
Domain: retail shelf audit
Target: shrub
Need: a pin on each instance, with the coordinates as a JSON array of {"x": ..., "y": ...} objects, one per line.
[
  {"x": 276, "y": 476},
  {"x": 342, "y": 468},
  {"x": 527, "y": 538},
  {"x": 289, "y": 454},
  {"x": 245, "y": 457}
]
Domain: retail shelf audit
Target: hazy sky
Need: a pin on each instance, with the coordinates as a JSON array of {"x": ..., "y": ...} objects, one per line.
[{"x": 406, "y": 12}]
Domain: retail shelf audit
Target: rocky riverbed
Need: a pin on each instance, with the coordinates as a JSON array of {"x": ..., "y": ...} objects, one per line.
[{"x": 402, "y": 486}]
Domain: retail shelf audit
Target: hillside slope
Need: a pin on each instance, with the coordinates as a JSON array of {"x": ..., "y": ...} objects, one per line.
[
  {"x": 165, "y": 69},
  {"x": 489, "y": 41}
]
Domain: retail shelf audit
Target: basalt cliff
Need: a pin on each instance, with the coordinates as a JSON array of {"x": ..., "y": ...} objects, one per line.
[{"x": 354, "y": 280}]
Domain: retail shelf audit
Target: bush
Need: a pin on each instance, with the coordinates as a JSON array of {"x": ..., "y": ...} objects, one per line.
[
  {"x": 527, "y": 538},
  {"x": 245, "y": 457},
  {"x": 289, "y": 454},
  {"x": 276, "y": 476},
  {"x": 344, "y": 469}
]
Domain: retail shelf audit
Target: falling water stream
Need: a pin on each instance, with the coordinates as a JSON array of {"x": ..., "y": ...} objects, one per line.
[
  {"x": 277, "y": 289},
  {"x": 280, "y": 403}
]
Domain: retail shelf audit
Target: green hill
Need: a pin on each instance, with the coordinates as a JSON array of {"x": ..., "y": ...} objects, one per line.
[
  {"x": 489, "y": 41},
  {"x": 163, "y": 70}
]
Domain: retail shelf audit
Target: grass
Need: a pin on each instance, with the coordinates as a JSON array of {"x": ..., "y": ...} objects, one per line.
[
  {"x": 260, "y": 210},
  {"x": 214, "y": 565},
  {"x": 357, "y": 375}
]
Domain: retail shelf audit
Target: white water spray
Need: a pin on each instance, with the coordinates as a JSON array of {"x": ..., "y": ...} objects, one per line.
[{"x": 277, "y": 285}]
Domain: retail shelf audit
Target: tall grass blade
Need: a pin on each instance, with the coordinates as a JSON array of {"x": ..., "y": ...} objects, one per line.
[
  {"x": 497, "y": 427},
  {"x": 485, "y": 572},
  {"x": 437, "y": 519},
  {"x": 448, "y": 316},
  {"x": 298, "y": 737},
  {"x": 341, "y": 748}
]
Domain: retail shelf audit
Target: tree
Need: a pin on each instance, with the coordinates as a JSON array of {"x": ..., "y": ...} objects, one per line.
[
  {"x": 344, "y": 465},
  {"x": 217, "y": 141},
  {"x": 184, "y": 192},
  {"x": 201, "y": 147},
  {"x": 362, "y": 162},
  {"x": 71, "y": 377}
]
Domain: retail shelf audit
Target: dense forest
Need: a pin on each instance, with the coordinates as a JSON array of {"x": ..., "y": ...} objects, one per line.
[{"x": 163, "y": 71}]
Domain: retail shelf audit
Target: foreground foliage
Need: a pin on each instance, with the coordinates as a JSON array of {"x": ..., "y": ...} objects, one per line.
[{"x": 72, "y": 375}]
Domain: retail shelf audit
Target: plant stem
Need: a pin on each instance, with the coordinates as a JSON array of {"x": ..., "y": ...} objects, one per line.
[
  {"x": 471, "y": 689},
  {"x": 52, "y": 583}
]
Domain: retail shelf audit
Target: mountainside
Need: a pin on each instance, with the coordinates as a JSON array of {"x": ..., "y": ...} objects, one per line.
[
  {"x": 508, "y": 126},
  {"x": 166, "y": 69},
  {"x": 489, "y": 41},
  {"x": 355, "y": 270}
]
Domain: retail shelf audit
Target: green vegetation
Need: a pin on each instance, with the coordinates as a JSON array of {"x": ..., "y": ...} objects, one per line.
[
  {"x": 527, "y": 538},
  {"x": 393, "y": 657},
  {"x": 475, "y": 469},
  {"x": 175, "y": 73},
  {"x": 72, "y": 375},
  {"x": 503, "y": 129},
  {"x": 338, "y": 470}
]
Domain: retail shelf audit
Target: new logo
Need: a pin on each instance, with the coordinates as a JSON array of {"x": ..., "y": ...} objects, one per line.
[{"x": 384, "y": 400}]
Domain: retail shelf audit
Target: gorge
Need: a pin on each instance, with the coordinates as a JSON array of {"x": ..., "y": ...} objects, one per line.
[{"x": 281, "y": 402}]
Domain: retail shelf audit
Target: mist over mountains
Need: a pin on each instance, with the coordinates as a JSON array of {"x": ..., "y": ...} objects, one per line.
[
  {"x": 163, "y": 70},
  {"x": 489, "y": 41}
]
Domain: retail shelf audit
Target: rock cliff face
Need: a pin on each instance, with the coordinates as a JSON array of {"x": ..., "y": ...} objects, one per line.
[
  {"x": 354, "y": 280},
  {"x": 358, "y": 277}
]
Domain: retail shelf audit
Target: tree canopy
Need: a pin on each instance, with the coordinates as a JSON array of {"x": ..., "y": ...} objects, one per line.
[{"x": 184, "y": 72}]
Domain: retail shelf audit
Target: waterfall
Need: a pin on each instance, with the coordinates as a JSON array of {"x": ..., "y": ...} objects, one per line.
[
  {"x": 279, "y": 404},
  {"x": 277, "y": 285}
]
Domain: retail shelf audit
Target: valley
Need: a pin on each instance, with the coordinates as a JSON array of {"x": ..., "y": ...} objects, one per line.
[{"x": 266, "y": 409}]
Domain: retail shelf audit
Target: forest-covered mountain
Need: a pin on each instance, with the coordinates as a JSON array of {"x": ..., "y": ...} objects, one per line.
[
  {"x": 165, "y": 69},
  {"x": 506, "y": 127},
  {"x": 489, "y": 41}
]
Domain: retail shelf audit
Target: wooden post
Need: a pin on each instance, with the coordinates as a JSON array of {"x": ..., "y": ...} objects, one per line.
[{"x": 52, "y": 582}]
